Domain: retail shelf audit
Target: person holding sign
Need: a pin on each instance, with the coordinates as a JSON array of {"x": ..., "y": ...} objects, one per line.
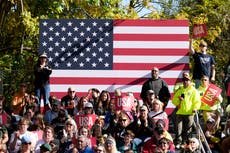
[
  {"x": 188, "y": 101},
  {"x": 204, "y": 64},
  {"x": 208, "y": 109}
]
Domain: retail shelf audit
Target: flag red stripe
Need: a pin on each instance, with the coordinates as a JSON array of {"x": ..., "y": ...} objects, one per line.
[
  {"x": 149, "y": 66},
  {"x": 162, "y": 23},
  {"x": 156, "y": 52},
  {"x": 104, "y": 81},
  {"x": 151, "y": 37}
]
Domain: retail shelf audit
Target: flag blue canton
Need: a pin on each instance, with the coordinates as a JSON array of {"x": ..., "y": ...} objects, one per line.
[{"x": 77, "y": 44}]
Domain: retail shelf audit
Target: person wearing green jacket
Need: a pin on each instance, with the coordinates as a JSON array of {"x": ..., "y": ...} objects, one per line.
[
  {"x": 188, "y": 101},
  {"x": 210, "y": 111}
]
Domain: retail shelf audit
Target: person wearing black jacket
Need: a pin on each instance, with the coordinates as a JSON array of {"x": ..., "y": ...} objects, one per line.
[
  {"x": 42, "y": 74},
  {"x": 158, "y": 85}
]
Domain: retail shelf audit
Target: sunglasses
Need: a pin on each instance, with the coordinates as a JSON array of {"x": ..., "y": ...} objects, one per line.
[
  {"x": 122, "y": 120},
  {"x": 71, "y": 91},
  {"x": 204, "y": 80},
  {"x": 203, "y": 46},
  {"x": 192, "y": 142}
]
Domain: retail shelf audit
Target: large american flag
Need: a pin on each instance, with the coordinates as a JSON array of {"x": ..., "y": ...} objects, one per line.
[{"x": 112, "y": 54}]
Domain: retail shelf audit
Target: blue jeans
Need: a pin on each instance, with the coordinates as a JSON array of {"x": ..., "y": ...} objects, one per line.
[
  {"x": 43, "y": 92},
  {"x": 197, "y": 83}
]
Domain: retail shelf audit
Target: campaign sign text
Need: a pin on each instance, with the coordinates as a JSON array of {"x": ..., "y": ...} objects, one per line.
[
  {"x": 211, "y": 94},
  {"x": 199, "y": 31},
  {"x": 85, "y": 120}
]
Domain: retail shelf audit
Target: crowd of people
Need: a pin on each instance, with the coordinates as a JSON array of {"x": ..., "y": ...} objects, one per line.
[{"x": 99, "y": 123}]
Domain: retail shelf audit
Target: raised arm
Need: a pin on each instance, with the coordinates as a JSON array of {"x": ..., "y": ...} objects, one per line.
[{"x": 192, "y": 51}]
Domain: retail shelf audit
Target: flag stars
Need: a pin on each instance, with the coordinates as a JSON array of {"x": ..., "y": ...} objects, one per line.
[
  {"x": 100, "y": 29},
  {"x": 56, "y": 64},
  {"x": 63, "y": 49},
  {"x": 94, "y": 54},
  {"x": 82, "y": 34},
  {"x": 106, "y": 44},
  {"x": 106, "y": 24},
  {"x": 82, "y": 44},
  {"x": 63, "y": 39},
  {"x": 44, "y": 33},
  {"x": 57, "y": 24},
  {"x": 69, "y": 34},
  {"x": 82, "y": 24},
  {"x": 69, "y": 24},
  {"x": 69, "y": 44},
  {"x": 88, "y": 49},
  {"x": 50, "y": 38},
  {"x": 75, "y": 39},
  {"x": 106, "y": 54},
  {"x": 68, "y": 64},
  {"x": 107, "y": 34},
  {"x": 82, "y": 54},
  {"x": 62, "y": 59},
  {"x": 56, "y": 54},
  {"x": 63, "y": 29},
  {"x": 56, "y": 43},
  {"x": 44, "y": 23},
  {"x": 68, "y": 54},
  {"x": 51, "y": 28},
  {"x": 100, "y": 59},
  {"x": 75, "y": 28},
  {"x": 75, "y": 49},
  {"x": 88, "y": 29},
  {"x": 94, "y": 44},
  {"x": 94, "y": 24},
  {"x": 94, "y": 65},
  {"x": 101, "y": 39},
  {"x": 50, "y": 49},
  {"x": 44, "y": 44},
  {"x": 100, "y": 49},
  {"x": 75, "y": 59},
  {"x": 50, "y": 59},
  {"x": 106, "y": 64},
  {"x": 88, "y": 39},
  {"x": 57, "y": 34},
  {"x": 81, "y": 64},
  {"x": 94, "y": 34},
  {"x": 88, "y": 59}
]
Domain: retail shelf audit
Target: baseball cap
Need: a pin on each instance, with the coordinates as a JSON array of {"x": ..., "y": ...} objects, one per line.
[
  {"x": 46, "y": 147},
  {"x": 43, "y": 56},
  {"x": 143, "y": 107},
  {"x": 88, "y": 105},
  {"x": 26, "y": 139},
  {"x": 150, "y": 92}
]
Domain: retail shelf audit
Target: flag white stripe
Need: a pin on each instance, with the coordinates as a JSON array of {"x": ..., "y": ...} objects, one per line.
[
  {"x": 110, "y": 88},
  {"x": 150, "y": 30},
  {"x": 150, "y": 59},
  {"x": 151, "y": 44},
  {"x": 114, "y": 73}
]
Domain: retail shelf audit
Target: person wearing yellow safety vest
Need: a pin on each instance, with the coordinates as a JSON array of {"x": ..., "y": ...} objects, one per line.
[
  {"x": 210, "y": 111},
  {"x": 188, "y": 101}
]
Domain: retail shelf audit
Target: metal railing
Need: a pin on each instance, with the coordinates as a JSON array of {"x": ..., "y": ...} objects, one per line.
[{"x": 201, "y": 136}]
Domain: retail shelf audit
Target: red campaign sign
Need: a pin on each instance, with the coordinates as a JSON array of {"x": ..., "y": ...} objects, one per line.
[
  {"x": 124, "y": 103},
  {"x": 85, "y": 120},
  {"x": 199, "y": 31},
  {"x": 3, "y": 119},
  {"x": 211, "y": 94}
]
